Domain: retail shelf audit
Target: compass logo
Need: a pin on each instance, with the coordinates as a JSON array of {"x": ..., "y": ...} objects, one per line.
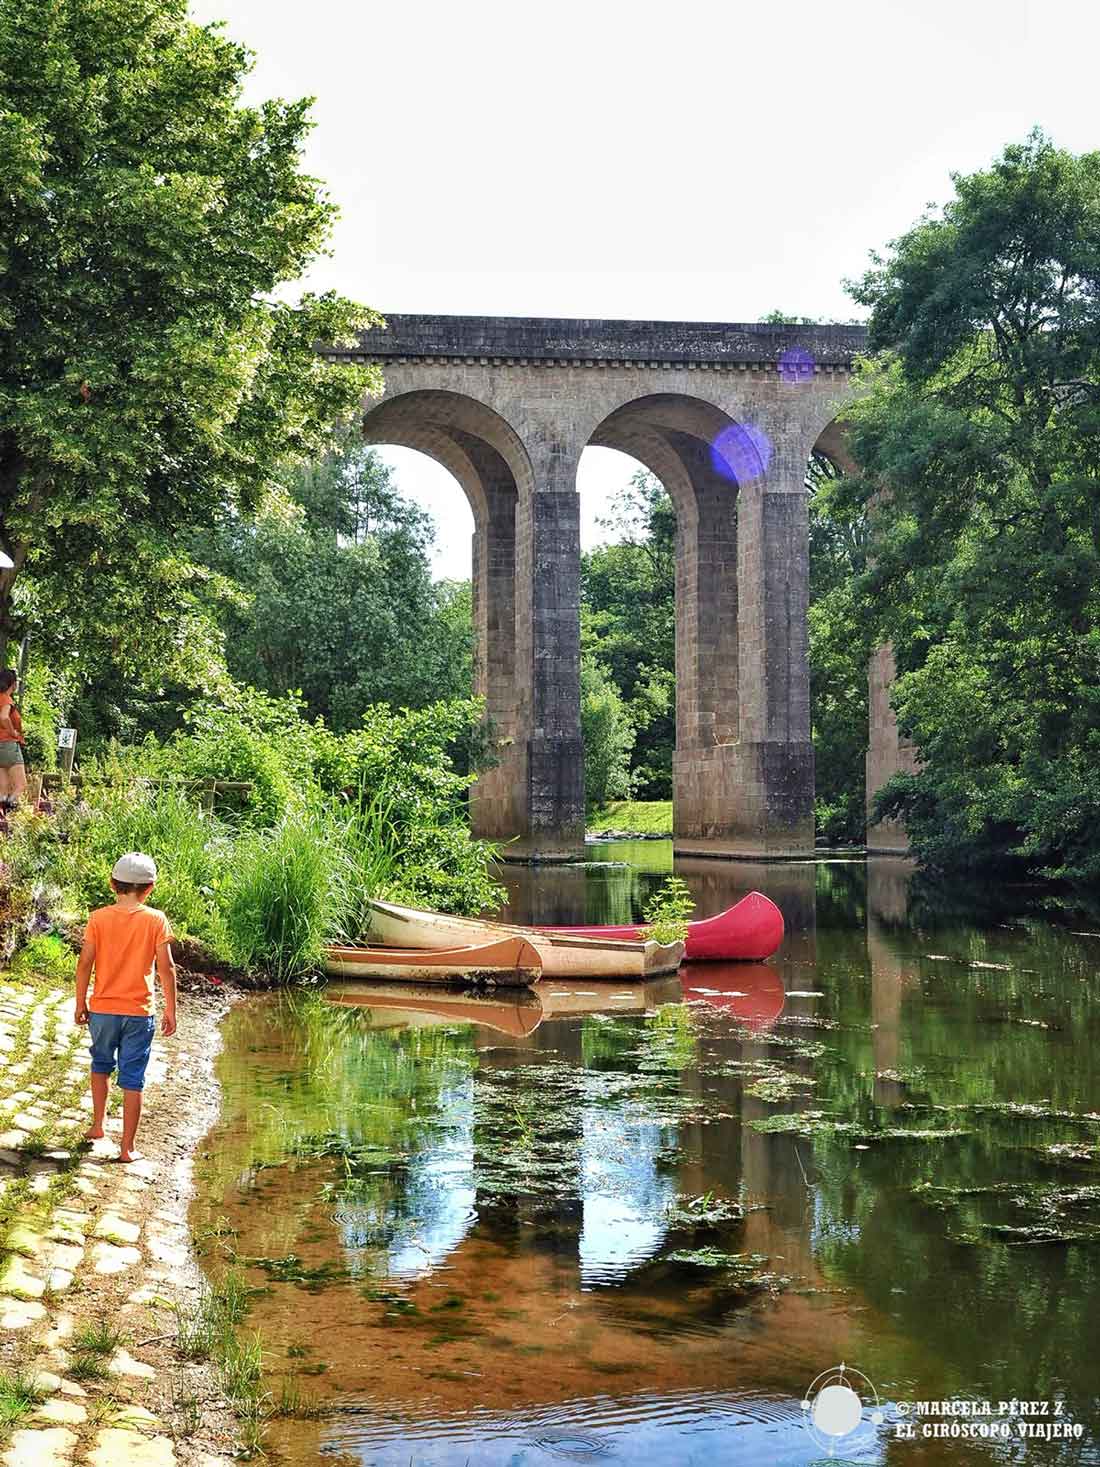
[{"x": 842, "y": 1409}]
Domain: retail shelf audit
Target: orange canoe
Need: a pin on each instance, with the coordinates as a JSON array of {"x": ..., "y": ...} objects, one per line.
[{"x": 507, "y": 961}]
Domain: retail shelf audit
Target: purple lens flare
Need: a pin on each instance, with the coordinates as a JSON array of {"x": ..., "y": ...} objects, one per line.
[
  {"x": 741, "y": 453},
  {"x": 796, "y": 364}
]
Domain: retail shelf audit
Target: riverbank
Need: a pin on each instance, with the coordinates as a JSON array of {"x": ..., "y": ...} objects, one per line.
[
  {"x": 631, "y": 820},
  {"x": 98, "y": 1279}
]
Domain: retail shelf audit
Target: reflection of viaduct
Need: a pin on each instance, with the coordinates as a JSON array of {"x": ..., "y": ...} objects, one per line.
[{"x": 727, "y": 418}]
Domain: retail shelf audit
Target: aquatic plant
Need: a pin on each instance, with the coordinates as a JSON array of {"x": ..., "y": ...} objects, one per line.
[{"x": 667, "y": 911}]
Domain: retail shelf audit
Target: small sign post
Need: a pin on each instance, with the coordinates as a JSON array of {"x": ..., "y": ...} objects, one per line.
[{"x": 66, "y": 747}]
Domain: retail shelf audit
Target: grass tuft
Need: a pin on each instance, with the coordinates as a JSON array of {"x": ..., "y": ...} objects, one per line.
[
  {"x": 100, "y": 1338},
  {"x": 20, "y": 1393}
]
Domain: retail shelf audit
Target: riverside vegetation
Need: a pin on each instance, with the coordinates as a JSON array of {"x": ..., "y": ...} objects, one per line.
[{"x": 328, "y": 821}]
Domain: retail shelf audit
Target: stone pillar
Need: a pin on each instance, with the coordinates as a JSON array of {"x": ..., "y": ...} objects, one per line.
[
  {"x": 551, "y": 823},
  {"x": 493, "y": 798},
  {"x": 887, "y": 753},
  {"x": 756, "y": 793}
]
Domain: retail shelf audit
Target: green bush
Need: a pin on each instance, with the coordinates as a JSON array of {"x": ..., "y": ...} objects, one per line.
[
  {"x": 608, "y": 734},
  {"x": 45, "y": 956},
  {"x": 189, "y": 847}
]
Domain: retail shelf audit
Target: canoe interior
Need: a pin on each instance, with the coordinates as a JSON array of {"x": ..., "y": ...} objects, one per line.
[{"x": 562, "y": 955}]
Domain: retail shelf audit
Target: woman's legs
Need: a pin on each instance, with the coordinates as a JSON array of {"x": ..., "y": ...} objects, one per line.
[
  {"x": 17, "y": 783},
  {"x": 13, "y": 781}
]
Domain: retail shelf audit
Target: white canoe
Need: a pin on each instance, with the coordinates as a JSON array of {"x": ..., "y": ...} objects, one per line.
[
  {"x": 502, "y": 959},
  {"x": 562, "y": 956}
]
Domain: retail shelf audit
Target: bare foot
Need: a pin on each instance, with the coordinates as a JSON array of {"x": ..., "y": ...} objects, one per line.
[
  {"x": 94, "y": 1133},
  {"x": 130, "y": 1156}
]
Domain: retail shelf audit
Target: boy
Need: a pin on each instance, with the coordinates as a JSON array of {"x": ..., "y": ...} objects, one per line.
[{"x": 125, "y": 944}]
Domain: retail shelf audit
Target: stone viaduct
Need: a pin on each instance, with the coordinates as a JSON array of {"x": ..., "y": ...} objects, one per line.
[{"x": 726, "y": 416}]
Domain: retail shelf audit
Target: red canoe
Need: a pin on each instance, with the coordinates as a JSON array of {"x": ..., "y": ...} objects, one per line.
[
  {"x": 749, "y": 931},
  {"x": 752, "y": 993}
]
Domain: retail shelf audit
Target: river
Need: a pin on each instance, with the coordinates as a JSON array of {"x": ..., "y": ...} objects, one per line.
[{"x": 758, "y": 1213}]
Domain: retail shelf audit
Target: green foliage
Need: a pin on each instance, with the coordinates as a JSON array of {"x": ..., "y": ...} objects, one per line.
[
  {"x": 640, "y": 817},
  {"x": 152, "y": 380},
  {"x": 45, "y": 956},
  {"x": 608, "y": 736},
  {"x": 981, "y": 417},
  {"x": 332, "y": 821},
  {"x": 667, "y": 911},
  {"x": 329, "y": 593},
  {"x": 244, "y": 736},
  {"x": 838, "y": 658},
  {"x": 165, "y": 822},
  {"x": 628, "y": 593},
  {"x": 286, "y": 893},
  {"x": 38, "y": 699},
  {"x": 20, "y": 1394}
]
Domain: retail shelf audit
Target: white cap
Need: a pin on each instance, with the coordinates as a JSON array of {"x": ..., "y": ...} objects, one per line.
[{"x": 138, "y": 869}]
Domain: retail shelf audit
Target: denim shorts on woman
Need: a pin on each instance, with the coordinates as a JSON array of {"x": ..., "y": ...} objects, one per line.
[
  {"x": 125, "y": 1040},
  {"x": 10, "y": 754}
]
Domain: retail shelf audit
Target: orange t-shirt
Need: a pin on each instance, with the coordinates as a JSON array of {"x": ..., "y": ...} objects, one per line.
[
  {"x": 16, "y": 735},
  {"x": 126, "y": 941}
]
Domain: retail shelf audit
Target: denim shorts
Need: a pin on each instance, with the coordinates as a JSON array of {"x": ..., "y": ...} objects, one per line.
[{"x": 125, "y": 1039}]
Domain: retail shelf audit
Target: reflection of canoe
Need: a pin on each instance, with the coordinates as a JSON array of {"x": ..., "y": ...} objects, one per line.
[
  {"x": 559, "y": 998},
  {"x": 750, "y": 992},
  {"x": 748, "y": 931},
  {"x": 417, "y": 1005},
  {"x": 562, "y": 955},
  {"x": 503, "y": 960}
]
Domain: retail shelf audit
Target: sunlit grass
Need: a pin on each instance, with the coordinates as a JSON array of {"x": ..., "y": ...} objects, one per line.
[
  {"x": 639, "y": 817},
  {"x": 20, "y": 1393}
]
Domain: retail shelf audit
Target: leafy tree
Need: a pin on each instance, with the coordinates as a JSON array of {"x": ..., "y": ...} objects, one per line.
[
  {"x": 981, "y": 419},
  {"x": 330, "y": 593},
  {"x": 838, "y": 658},
  {"x": 628, "y": 613},
  {"x": 150, "y": 380},
  {"x": 608, "y": 736}
]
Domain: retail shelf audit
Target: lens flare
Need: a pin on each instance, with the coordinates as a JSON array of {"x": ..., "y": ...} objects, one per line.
[
  {"x": 741, "y": 452},
  {"x": 796, "y": 364}
]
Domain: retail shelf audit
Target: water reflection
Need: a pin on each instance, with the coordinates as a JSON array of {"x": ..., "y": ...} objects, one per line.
[{"x": 636, "y": 1220}]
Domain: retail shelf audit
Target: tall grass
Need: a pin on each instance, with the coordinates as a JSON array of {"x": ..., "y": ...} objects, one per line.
[
  {"x": 287, "y": 892},
  {"x": 372, "y": 847}
]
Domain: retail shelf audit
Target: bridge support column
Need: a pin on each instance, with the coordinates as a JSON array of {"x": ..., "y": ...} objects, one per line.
[
  {"x": 752, "y": 796},
  {"x": 551, "y": 786},
  {"x": 493, "y": 798}
]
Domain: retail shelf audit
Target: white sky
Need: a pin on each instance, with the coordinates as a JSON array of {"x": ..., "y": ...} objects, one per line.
[{"x": 622, "y": 158}]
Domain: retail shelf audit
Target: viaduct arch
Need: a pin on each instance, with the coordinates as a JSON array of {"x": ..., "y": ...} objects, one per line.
[{"x": 726, "y": 416}]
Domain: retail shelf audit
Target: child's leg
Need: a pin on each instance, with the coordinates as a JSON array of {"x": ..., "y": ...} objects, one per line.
[
  {"x": 101, "y": 1084},
  {"x": 17, "y": 783},
  {"x": 131, "y": 1117},
  {"x": 133, "y": 1057},
  {"x": 103, "y": 1031}
]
